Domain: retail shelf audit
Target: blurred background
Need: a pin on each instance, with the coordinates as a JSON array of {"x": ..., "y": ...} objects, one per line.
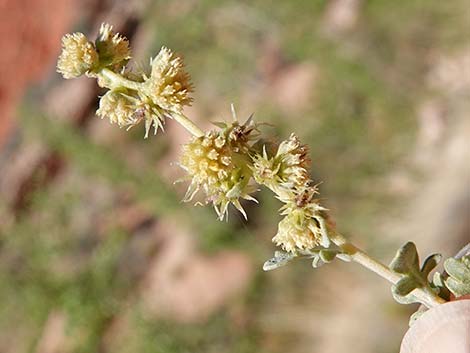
[{"x": 98, "y": 254}]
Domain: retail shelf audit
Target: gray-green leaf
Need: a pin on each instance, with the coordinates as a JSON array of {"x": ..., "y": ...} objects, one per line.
[
  {"x": 430, "y": 263},
  {"x": 406, "y": 260},
  {"x": 406, "y": 263},
  {"x": 280, "y": 259},
  {"x": 459, "y": 275},
  {"x": 457, "y": 268},
  {"x": 457, "y": 288},
  {"x": 328, "y": 255},
  {"x": 437, "y": 279},
  {"x": 316, "y": 262},
  {"x": 405, "y": 286}
]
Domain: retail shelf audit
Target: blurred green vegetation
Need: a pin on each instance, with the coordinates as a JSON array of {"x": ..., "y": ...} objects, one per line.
[{"x": 359, "y": 125}]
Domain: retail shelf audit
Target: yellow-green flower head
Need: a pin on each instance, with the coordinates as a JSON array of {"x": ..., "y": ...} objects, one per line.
[
  {"x": 297, "y": 231},
  {"x": 303, "y": 226},
  {"x": 286, "y": 170},
  {"x": 125, "y": 108},
  {"x": 241, "y": 136},
  {"x": 294, "y": 162},
  {"x": 169, "y": 85},
  {"x": 78, "y": 56},
  {"x": 218, "y": 164},
  {"x": 113, "y": 49}
]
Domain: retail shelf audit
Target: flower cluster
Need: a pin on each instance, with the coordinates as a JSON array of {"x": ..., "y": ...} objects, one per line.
[
  {"x": 286, "y": 170},
  {"x": 78, "y": 56},
  {"x": 225, "y": 163},
  {"x": 286, "y": 174},
  {"x": 219, "y": 163},
  {"x": 169, "y": 85},
  {"x": 304, "y": 225},
  {"x": 132, "y": 97},
  {"x": 113, "y": 49},
  {"x": 127, "y": 109}
]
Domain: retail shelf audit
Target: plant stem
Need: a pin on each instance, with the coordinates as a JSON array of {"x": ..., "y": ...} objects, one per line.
[
  {"x": 116, "y": 80},
  {"x": 424, "y": 295},
  {"x": 187, "y": 124}
]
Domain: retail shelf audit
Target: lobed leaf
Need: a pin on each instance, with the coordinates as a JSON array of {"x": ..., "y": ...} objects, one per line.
[
  {"x": 406, "y": 259},
  {"x": 430, "y": 264},
  {"x": 457, "y": 269},
  {"x": 459, "y": 275},
  {"x": 406, "y": 262},
  {"x": 457, "y": 288},
  {"x": 405, "y": 286}
]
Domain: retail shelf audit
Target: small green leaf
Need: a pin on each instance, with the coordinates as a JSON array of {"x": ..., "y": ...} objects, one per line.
[
  {"x": 280, "y": 259},
  {"x": 437, "y": 279},
  {"x": 439, "y": 286},
  {"x": 430, "y": 263},
  {"x": 457, "y": 269},
  {"x": 459, "y": 275},
  {"x": 406, "y": 259},
  {"x": 457, "y": 288},
  {"x": 405, "y": 286},
  {"x": 317, "y": 261},
  {"x": 406, "y": 262},
  {"x": 328, "y": 255}
]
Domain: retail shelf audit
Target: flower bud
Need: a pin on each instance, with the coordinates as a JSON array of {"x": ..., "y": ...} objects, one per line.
[
  {"x": 218, "y": 163},
  {"x": 304, "y": 225},
  {"x": 169, "y": 84},
  {"x": 113, "y": 49},
  {"x": 127, "y": 109},
  {"x": 288, "y": 169},
  {"x": 297, "y": 231},
  {"x": 78, "y": 56}
]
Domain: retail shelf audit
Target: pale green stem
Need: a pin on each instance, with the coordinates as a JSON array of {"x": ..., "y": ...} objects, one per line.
[
  {"x": 187, "y": 124},
  {"x": 114, "y": 80},
  {"x": 424, "y": 295}
]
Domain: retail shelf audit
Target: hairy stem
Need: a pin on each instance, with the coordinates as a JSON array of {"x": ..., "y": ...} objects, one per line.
[{"x": 424, "y": 295}]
